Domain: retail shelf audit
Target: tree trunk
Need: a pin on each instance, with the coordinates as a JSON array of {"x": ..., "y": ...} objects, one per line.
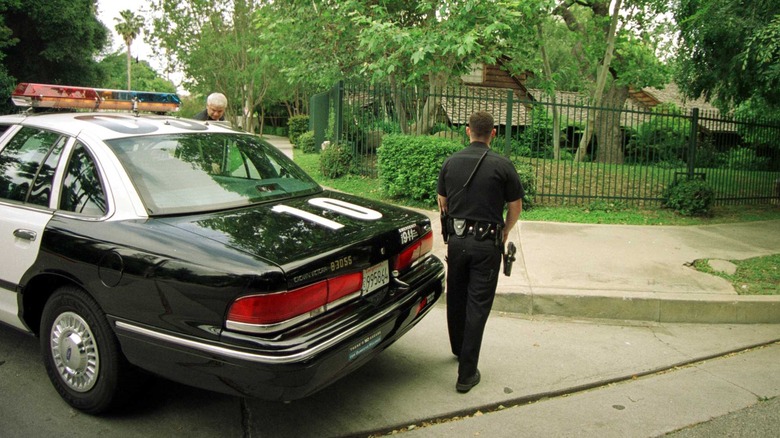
[
  {"x": 556, "y": 134},
  {"x": 261, "y": 120},
  {"x": 400, "y": 107},
  {"x": 608, "y": 132},
  {"x": 128, "y": 67},
  {"x": 600, "y": 83},
  {"x": 426, "y": 120}
]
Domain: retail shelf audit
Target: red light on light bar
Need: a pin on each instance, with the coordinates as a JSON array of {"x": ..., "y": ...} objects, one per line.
[{"x": 58, "y": 96}]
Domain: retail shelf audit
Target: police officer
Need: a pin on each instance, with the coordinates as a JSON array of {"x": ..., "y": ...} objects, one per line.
[{"x": 474, "y": 186}]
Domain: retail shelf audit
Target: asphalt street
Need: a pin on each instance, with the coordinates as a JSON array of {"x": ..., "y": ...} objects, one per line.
[{"x": 541, "y": 377}]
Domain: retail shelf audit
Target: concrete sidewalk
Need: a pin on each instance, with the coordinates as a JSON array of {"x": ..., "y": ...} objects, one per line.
[{"x": 632, "y": 272}]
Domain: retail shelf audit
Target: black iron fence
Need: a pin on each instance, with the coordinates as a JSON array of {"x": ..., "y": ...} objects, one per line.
[{"x": 579, "y": 153}]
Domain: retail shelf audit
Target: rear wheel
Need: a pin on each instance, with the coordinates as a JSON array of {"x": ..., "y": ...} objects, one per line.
[{"x": 80, "y": 351}]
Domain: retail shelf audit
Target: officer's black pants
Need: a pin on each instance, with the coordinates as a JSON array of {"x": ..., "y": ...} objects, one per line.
[{"x": 472, "y": 275}]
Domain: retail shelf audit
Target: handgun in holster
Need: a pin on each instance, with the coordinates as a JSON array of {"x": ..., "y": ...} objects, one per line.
[
  {"x": 509, "y": 258},
  {"x": 445, "y": 232}
]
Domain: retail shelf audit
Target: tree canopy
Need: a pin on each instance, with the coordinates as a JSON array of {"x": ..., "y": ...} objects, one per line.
[
  {"x": 213, "y": 43},
  {"x": 144, "y": 76},
  {"x": 729, "y": 51},
  {"x": 605, "y": 54},
  {"x": 423, "y": 43},
  {"x": 55, "y": 41}
]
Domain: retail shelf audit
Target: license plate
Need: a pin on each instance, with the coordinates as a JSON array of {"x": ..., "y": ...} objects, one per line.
[{"x": 375, "y": 277}]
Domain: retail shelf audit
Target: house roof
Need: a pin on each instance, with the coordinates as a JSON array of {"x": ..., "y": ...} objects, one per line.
[
  {"x": 710, "y": 117},
  {"x": 670, "y": 93},
  {"x": 464, "y": 100}
]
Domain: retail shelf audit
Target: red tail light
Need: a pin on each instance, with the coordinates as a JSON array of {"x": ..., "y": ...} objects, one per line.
[
  {"x": 344, "y": 285},
  {"x": 414, "y": 252},
  {"x": 304, "y": 301},
  {"x": 273, "y": 308}
]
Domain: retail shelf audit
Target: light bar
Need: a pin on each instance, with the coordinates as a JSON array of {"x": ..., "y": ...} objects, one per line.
[{"x": 60, "y": 96}]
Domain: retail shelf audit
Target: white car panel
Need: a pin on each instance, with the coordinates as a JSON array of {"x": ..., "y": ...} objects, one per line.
[{"x": 21, "y": 230}]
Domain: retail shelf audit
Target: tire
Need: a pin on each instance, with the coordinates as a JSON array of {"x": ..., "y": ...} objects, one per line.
[{"x": 80, "y": 351}]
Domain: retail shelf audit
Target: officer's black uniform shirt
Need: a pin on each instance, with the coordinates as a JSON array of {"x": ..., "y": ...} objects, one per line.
[{"x": 495, "y": 183}]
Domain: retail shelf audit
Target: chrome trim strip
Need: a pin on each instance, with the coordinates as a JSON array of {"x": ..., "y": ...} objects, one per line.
[
  {"x": 275, "y": 327},
  {"x": 342, "y": 300},
  {"x": 254, "y": 357}
]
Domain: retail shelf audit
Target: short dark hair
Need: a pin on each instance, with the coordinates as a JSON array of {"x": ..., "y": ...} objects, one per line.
[{"x": 481, "y": 124}]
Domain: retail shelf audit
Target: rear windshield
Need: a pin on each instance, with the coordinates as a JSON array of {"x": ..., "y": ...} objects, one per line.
[{"x": 186, "y": 173}]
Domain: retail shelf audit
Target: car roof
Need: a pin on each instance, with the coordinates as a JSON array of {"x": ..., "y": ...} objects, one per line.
[{"x": 110, "y": 125}]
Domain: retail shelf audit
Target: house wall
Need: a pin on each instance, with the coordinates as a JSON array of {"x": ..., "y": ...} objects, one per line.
[{"x": 494, "y": 77}]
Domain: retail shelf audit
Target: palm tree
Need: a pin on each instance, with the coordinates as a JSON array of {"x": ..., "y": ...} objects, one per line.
[{"x": 129, "y": 26}]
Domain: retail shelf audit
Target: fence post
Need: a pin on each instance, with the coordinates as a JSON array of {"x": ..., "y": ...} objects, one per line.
[
  {"x": 508, "y": 127},
  {"x": 338, "y": 111},
  {"x": 692, "y": 142},
  {"x": 318, "y": 120}
]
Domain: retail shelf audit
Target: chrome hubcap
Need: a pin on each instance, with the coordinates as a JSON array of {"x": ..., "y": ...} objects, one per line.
[{"x": 75, "y": 353}]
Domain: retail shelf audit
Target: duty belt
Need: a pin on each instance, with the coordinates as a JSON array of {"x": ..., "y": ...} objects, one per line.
[{"x": 481, "y": 230}]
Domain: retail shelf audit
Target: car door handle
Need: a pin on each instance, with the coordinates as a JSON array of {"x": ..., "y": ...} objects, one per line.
[{"x": 25, "y": 234}]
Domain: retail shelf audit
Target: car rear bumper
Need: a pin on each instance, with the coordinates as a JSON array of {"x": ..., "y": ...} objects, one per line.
[{"x": 283, "y": 373}]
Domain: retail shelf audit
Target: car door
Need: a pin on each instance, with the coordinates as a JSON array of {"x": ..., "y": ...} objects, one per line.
[{"x": 28, "y": 163}]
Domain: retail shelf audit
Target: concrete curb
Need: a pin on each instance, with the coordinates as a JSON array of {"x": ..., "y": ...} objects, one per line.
[{"x": 656, "y": 307}]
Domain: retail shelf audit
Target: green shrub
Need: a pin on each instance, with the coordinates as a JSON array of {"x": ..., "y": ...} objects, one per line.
[
  {"x": 521, "y": 149},
  {"x": 298, "y": 125},
  {"x": 409, "y": 166},
  {"x": 281, "y": 131},
  {"x": 689, "y": 197},
  {"x": 662, "y": 139},
  {"x": 306, "y": 142},
  {"x": 536, "y": 139},
  {"x": 742, "y": 159},
  {"x": 336, "y": 161},
  {"x": 527, "y": 175}
]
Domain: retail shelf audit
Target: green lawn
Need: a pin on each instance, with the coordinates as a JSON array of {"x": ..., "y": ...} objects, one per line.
[
  {"x": 756, "y": 276},
  {"x": 594, "y": 180}
]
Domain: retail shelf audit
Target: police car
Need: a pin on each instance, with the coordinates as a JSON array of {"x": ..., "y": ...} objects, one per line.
[{"x": 192, "y": 251}]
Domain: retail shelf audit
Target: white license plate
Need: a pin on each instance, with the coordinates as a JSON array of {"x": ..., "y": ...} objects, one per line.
[{"x": 376, "y": 277}]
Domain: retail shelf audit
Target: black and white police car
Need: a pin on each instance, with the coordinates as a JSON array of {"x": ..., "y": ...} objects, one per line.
[{"x": 194, "y": 252}]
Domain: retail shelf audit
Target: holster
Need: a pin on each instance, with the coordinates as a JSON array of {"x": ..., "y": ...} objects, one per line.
[
  {"x": 459, "y": 227},
  {"x": 444, "y": 218}
]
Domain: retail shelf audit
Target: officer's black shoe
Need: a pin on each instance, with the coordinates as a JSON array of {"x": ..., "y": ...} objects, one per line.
[{"x": 463, "y": 386}]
